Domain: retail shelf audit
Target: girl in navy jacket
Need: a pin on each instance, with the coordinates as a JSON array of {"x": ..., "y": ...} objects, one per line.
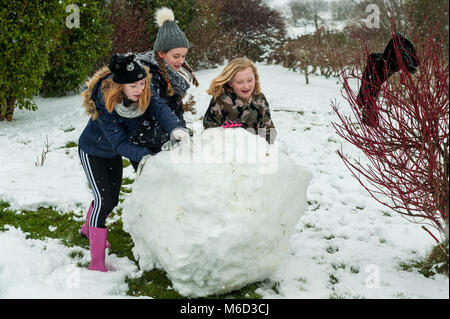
[{"x": 117, "y": 98}]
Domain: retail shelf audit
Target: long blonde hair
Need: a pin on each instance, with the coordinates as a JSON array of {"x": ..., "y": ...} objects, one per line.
[
  {"x": 220, "y": 83},
  {"x": 113, "y": 92}
]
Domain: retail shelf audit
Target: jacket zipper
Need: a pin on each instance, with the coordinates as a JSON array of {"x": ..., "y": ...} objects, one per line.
[{"x": 99, "y": 139}]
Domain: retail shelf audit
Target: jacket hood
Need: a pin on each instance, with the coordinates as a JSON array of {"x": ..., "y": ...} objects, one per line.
[{"x": 93, "y": 85}]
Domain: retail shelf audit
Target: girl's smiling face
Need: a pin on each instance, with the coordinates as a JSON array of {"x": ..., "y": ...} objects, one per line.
[
  {"x": 174, "y": 57},
  {"x": 134, "y": 90},
  {"x": 243, "y": 83}
]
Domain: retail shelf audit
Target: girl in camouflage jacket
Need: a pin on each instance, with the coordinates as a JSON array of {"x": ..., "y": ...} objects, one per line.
[{"x": 236, "y": 96}]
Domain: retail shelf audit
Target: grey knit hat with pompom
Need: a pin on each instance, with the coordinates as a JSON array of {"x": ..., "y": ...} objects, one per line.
[{"x": 169, "y": 35}]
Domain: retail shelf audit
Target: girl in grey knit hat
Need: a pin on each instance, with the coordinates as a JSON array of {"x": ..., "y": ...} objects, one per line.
[{"x": 171, "y": 76}]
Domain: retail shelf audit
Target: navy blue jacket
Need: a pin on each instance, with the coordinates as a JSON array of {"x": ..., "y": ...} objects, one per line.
[
  {"x": 108, "y": 135},
  {"x": 151, "y": 133}
]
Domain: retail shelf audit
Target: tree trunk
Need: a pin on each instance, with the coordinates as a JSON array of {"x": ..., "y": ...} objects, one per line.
[
  {"x": 9, "y": 113},
  {"x": 306, "y": 75},
  {"x": 7, "y": 110}
]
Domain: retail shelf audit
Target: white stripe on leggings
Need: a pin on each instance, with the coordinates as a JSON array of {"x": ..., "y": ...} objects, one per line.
[{"x": 97, "y": 197}]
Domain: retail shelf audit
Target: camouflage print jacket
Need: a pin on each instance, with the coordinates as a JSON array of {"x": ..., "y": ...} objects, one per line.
[{"x": 253, "y": 114}]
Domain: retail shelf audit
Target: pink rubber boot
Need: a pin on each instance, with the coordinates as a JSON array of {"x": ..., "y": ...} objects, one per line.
[
  {"x": 84, "y": 230},
  {"x": 97, "y": 240}
]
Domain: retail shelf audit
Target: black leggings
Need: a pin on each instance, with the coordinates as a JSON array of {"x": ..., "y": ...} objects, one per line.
[{"x": 105, "y": 177}]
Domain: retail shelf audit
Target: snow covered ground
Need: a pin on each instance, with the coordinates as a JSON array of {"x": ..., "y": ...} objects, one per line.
[
  {"x": 304, "y": 26},
  {"x": 345, "y": 246}
]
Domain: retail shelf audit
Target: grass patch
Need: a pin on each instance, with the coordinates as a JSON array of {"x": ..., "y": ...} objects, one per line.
[
  {"x": 332, "y": 249},
  {"x": 312, "y": 227},
  {"x": 333, "y": 280},
  {"x": 247, "y": 292},
  {"x": 125, "y": 190},
  {"x": 49, "y": 223},
  {"x": 354, "y": 269},
  {"x": 155, "y": 284},
  {"x": 337, "y": 266},
  {"x": 127, "y": 181},
  {"x": 315, "y": 204},
  {"x": 345, "y": 295},
  {"x": 152, "y": 283},
  {"x": 331, "y": 140},
  {"x": 435, "y": 263},
  {"x": 125, "y": 162},
  {"x": 336, "y": 295},
  {"x": 71, "y": 144},
  {"x": 69, "y": 129},
  {"x": 273, "y": 285},
  {"x": 44, "y": 223}
]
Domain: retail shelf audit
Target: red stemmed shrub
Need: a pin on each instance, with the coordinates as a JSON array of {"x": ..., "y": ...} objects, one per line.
[
  {"x": 129, "y": 21},
  {"x": 406, "y": 146}
]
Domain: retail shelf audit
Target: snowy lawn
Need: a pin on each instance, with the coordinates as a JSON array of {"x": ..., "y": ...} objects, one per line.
[{"x": 345, "y": 246}]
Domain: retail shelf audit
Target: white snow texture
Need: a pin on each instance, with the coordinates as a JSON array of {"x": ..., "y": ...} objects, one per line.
[{"x": 232, "y": 228}]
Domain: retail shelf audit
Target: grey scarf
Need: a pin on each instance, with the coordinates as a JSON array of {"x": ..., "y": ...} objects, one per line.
[
  {"x": 131, "y": 111},
  {"x": 180, "y": 81}
]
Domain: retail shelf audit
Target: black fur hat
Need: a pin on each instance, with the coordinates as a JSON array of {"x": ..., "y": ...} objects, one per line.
[{"x": 126, "y": 68}]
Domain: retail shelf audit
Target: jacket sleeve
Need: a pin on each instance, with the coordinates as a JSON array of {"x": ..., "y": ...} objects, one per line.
[
  {"x": 163, "y": 114},
  {"x": 213, "y": 116},
  {"x": 179, "y": 112},
  {"x": 271, "y": 132},
  {"x": 118, "y": 138}
]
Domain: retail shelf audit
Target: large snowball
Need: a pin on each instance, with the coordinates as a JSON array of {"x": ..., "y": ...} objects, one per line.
[{"x": 217, "y": 213}]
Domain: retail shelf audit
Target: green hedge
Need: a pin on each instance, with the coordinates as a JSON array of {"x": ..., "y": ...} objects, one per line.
[
  {"x": 79, "y": 49},
  {"x": 29, "y": 31}
]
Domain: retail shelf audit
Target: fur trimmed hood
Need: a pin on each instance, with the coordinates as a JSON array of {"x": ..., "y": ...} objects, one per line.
[{"x": 88, "y": 102}]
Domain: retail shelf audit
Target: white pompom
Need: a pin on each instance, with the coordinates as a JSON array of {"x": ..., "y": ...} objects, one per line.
[{"x": 164, "y": 14}]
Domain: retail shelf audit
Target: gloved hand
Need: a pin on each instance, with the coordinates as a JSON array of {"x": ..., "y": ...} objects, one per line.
[
  {"x": 180, "y": 134},
  {"x": 170, "y": 144},
  {"x": 142, "y": 163},
  {"x": 230, "y": 123}
]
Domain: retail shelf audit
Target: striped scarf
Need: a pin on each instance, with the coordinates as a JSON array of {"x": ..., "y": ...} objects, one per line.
[{"x": 180, "y": 81}]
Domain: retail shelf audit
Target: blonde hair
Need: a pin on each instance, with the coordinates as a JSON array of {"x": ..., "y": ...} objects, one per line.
[
  {"x": 113, "y": 92},
  {"x": 220, "y": 83}
]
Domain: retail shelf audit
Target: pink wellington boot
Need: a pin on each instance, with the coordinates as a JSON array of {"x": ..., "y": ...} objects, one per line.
[
  {"x": 84, "y": 230},
  {"x": 97, "y": 240}
]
